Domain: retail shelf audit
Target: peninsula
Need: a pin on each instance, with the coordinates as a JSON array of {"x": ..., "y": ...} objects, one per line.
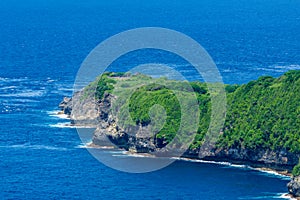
[{"x": 261, "y": 129}]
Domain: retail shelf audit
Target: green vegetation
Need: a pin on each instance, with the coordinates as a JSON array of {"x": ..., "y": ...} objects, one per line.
[
  {"x": 265, "y": 114},
  {"x": 262, "y": 114},
  {"x": 296, "y": 170},
  {"x": 100, "y": 86},
  {"x": 144, "y": 98},
  {"x": 105, "y": 84}
]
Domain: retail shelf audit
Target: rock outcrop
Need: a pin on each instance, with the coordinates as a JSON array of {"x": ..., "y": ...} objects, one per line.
[
  {"x": 135, "y": 138},
  {"x": 82, "y": 109},
  {"x": 66, "y": 106},
  {"x": 294, "y": 186},
  {"x": 278, "y": 160}
]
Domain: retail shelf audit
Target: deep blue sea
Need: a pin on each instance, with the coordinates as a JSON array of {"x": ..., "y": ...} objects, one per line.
[{"x": 42, "y": 45}]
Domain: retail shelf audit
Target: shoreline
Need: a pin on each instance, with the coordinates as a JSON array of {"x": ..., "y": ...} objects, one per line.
[
  {"x": 289, "y": 196},
  {"x": 265, "y": 169},
  {"x": 277, "y": 173},
  {"x": 284, "y": 173},
  {"x": 231, "y": 162}
]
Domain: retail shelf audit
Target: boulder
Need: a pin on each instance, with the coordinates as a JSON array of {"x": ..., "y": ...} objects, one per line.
[{"x": 294, "y": 186}]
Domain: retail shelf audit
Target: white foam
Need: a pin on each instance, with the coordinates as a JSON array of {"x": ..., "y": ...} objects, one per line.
[
  {"x": 270, "y": 196},
  {"x": 69, "y": 125},
  {"x": 119, "y": 152},
  {"x": 8, "y": 87},
  {"x": 4, "y": 79},
  {"x": 285, "y": 196},
  {"x": 272, "y": 173},
  {"x": 120, "y": 155},
  {"x": 287, "y": 67},
  {"x": 84, "y": 146},
  {"x": 26, "y": 93},
  {"x": 62, "y": 125},
  {"x": 11, "y": 102},
  {"x": 227, "y": 70},
  {"x": 269, "y": 69},
  {"x": 125, "y": 154},
  {"x": 267, "y": 172},
  {"x": 66, "y": 89},
  {"x": 37, "y": 147},
  {"x": 61, "y": 116},
  {"x": 89, "y": 146},
  {"x": 50, "y": 80},
  {"x": 279, "y": 68},
  {"x": 135, "y": 155},
  {"x": 211, "y": 162},
  {"x": 55, "y": 113}
]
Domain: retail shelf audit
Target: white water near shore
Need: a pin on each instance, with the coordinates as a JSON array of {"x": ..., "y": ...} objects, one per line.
[
  {"x": 56, "y": 113},
  {"x": 268, "y": 172}
]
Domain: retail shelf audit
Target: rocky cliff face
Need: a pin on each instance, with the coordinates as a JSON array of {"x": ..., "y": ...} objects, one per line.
[
  {"x": 278, "y": 160},
  {"x": 135, "y": 138},
  {"x": 82, "y": 109},
  {"x": 108, "y": 133}
]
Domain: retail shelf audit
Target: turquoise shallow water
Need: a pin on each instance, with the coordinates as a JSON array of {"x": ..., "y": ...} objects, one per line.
[{"x": 42, "y": 47}]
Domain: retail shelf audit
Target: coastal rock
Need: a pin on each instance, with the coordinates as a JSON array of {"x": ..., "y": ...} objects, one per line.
[
  {"x": 263, "y": 158},
  {"x": 66, "y": 106},
  {"x": 81, "y": 109},
  {"x": 132, "y": 138},
  {"x": 294, "y": 186},
  {"x": 280, "y": 160}
]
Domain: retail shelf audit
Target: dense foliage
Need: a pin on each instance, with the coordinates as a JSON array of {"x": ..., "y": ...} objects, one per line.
[
  {"x": 103, "y": 84},
  {"x": 296, "y": 170},
  {"x": 261, "y": 114},
  {"x": 145, "y": 98},
  {"x": 265, "y": 114}
]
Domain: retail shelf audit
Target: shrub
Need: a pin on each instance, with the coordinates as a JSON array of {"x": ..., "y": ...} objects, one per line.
[{"x": 296, "y": 170}]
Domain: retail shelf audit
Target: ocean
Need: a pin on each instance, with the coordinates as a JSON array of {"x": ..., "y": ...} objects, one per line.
[{"x": 43, "y": 44}]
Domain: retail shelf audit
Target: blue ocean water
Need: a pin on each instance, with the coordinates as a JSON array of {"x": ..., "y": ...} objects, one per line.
[{"x": 42, "y": 46}]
